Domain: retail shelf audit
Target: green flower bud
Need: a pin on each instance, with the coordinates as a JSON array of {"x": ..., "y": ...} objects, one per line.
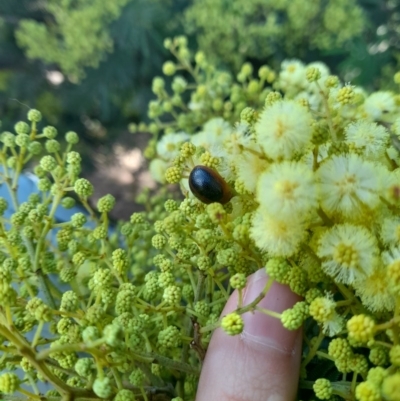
[
  {"x": 3, "y": 206},
  {"x": 78, "y": 220},
  {"x": 106, "y": 204},
  {"x": 8, "y": 139},
  {"x": 52, "y": 146},
  {"x": 44, "y": 185},
  {"x": 22, "y": 140},
  {"x": 9, "y": 383},
  {"x": 83, "y": 188},
  {"x": 102, "y": 387},
  {"x": 68, "y": 202},
  {"x": 35, "y": 147},
  {"x": 34, "y": 115},
  {"x": 22, "y": 128},
  {"x": 90, "y": 334},
  {"x": 85, "y": 367},
  {"x": 169, "y": 68},
  {"x": 73, "y": 158},
  {"x": 124, "y": 395},
  {"x": 72, "y": 137},
  {"x": 48, "y": 163},
  {"x": 50, "y": 132}
]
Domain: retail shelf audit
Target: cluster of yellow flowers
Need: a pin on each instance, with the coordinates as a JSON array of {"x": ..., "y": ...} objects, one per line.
[{"x": 314, "y": 174}]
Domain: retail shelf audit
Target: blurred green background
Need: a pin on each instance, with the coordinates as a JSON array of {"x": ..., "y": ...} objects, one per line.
[{"x": 87, "y": 65}]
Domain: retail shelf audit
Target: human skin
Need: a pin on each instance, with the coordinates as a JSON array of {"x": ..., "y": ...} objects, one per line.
[{"x": 263, "y": 362}]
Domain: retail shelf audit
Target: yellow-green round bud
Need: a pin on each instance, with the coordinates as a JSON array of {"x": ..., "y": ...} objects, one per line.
[
  {"x": 34, "y": 115},
  {"x": 102, "y": 387},
  {"x": 332, "y": 81},
  {"x": 361, "y": 328},
  {"x": 83, "y": 188},
  {"x": 9, "y": 383},
  {"x": 367, "y": 391},
  {"x": 232, "y": 324},
  {"x": 173, "y": 175},
  {"x": 106, "y": 203},
  {"x": 323, "y": 389},
  {"x": 263, "y": 72},
  {"x": 346, "y": 95},
  {"x": 167, "y": 43},
  {"x": 169, "y": 68},
  {"x": 72, "y": 137},
  {"x": 200, "y": 58},
  {"x": 313, "y": 74},
  {"x": 390, "y": 387},
  {"x": 50, "y": 132},
  {"x": 22, "y": 127},
  {"x": 238, "y": 281},
  {"x": 394, "y": 355}
]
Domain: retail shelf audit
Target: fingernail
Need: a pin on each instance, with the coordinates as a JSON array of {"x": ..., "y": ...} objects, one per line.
[{"x": 266, "y": 330}]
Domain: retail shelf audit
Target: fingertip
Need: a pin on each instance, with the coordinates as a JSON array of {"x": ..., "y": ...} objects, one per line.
[{"x": 261, "y": 363}]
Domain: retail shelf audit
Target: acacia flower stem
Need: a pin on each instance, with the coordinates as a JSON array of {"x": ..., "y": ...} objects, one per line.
[
  {"x": 91, "y": 348},
  {"x": 325, "y": 355},
  {"x": 344, "y": 303},
  {"x": 268, "y": 312},
  {"x": 144, "y": 394},
  {"x": 327, "y": 221},
  {"x": 199, "y": 288},
  {"x": 350, "y": 296},
  {"x": 117, "y": 378},
  {"x": 26, "y": 351},
  {"x": 240, "y": 298},
  {"x": 38, "y": 333},
  {"x": 9, "y": 316},
  {"x": 44, "y": 286},
  {"x": 354, "y": 382},
  {"x": 252, "y": 305},
  {"x": 29, "y": 394},
  {"x": 33, "y": 383},
  {"x": 39, "y": 246},
  {"x": 328, "y": 112},
  {"x": 221, "y": 287},
  {"x": 17, "y": 171},
  {"x": 313, "y": 350},
  {"x": 166, "y": 362},
  {"x": 387, "y": 325}
]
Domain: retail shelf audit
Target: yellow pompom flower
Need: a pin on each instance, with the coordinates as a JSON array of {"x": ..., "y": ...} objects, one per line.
[
  {"x": 369, "y": 137},
  {"x": 287, "y": 189},
  {"x": 249, "y": 168},
  {"x": 322, "y": 309},
  {"x": 390, "y": 231},
  {"x": 349, "y": 184},
  {"x": 284, "y": 129},
  {"x": 392, "y": 259},
  {"x": 373, "y": 291},
  {"x": 278, "y": 237},
  {"x": 380, "y": 106},
  {"x": 349, "y": 253}
]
